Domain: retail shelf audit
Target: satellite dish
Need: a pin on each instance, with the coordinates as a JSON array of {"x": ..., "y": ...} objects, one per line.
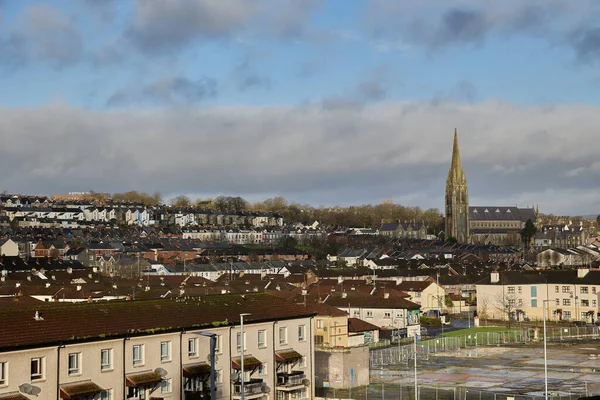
[
  {"x": 306, "y": 382},
  {"x": 266, "y": 389},
  {"x": 235, "y": 376},
  {"x": 161, "y": 372},
  {"x": 26, "y": 388}
]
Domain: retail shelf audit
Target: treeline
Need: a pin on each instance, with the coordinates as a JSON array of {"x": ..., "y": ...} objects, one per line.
[{"x": 363, "y": 216}]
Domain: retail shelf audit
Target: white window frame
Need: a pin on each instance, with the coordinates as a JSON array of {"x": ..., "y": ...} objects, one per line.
[
  {"x": 301, "y": 333},
  {"x": 369, "y": 314},
  {"x": 165, "y": 386},
  {"x": 238, "y": 341},
  {"x": 106, "y": 366},
  {"x": 283, "y": 339},
  {"x": 3, "y": 373},
  {"x": 319, "y": 324},
  {"x": 262, "y": 338},
  {"x": 106, "y": 394},
  {"x": 140, "y": 359},
  {"x": 74, "y": 364},
  {"x": 165, "y": 351},
  {"x": 38, "y": 374},
  {"x": 193, "y": 347}
]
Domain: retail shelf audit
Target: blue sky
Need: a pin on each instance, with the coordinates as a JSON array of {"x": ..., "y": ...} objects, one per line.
[{"x": 322, "y": 101}]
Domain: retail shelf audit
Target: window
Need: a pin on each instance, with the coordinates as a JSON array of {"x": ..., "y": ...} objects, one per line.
[
  {"x": 3, "y": 373},
  {"x": 565, "y": 289},
  {"x": 520, "y": 289},
  {"x": 218, "y": 344},
  {"x": 219, "y": 375},
  {"x": 585, "y": 303},
  {"x": 105, "y": 359},
  {"x": 262, "y": 369},
  {"x": 262, "y": 339},
  {"x": 556, "y": 290},
  {"x": 398, "y": 314},
  {"x": 37, "y": 368},
  {"x": 282, "y": 336},
  {"x": 138, "y": 354},
  {"x": 238, "y": 337},
  {"x": 566, "y": 302},
  {"x": 534, "y": 291},
  {"x": 193, "y": 384},
  {"x": 519, "y": 302},
  {"x": 136, "y": 393},
  {"x": 387, "y": 314},
  {"x": 593, "y": 289},
  {"x": 533, "y": 302},
  {"x": 320, "y": 324},
  {"x": 583, "y": 315},
  {"x": 566, "y": 315},
  {"x": 369, "y": 314},
  {"x": 301, "y": 333},
  {"x": 593, "y": 303},
  {"x": 511, "y": 290},
  {"x": 165, "y": 386},
  {"x": 303, "y": 362},
  {"x": 511, "y": 302},
  {"x": 106, "y": 394},
  {"x": 583, "y": 290},
  {"x": 558, "y": 302},
  {"x": 356, "y": 313},
  {"x": 165, "y": 351},
  {"x": 193, "y": 347}
]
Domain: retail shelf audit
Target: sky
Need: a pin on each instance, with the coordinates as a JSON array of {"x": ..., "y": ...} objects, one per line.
[{"x": 324, "y": 102}]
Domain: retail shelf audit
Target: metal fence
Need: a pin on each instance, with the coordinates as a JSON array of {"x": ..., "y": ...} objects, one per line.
[
  {"x": 383, "y": 391},
  {"x": 403, "y": 353}
]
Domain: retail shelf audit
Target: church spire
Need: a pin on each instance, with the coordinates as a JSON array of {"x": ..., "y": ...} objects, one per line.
[{"x": 456, "y": 172}]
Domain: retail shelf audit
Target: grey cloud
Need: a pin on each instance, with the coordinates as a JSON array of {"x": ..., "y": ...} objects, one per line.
[
  {"x": 371, "y": 91},
  {"x": 428, "y": 24},
  {"x": 167, "y": 25},
  {"x": 586, "y": 43},
  {"x": 170, "y": 91},
  {"x": 388, "y": 150},
  {"x": 43, "y": 34},
  {"x": 247, "y": 77}
]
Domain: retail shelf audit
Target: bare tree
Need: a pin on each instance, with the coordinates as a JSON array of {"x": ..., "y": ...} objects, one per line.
[
  {"x": 483, "y": 307},
  {"x": 506, "y": 304}
]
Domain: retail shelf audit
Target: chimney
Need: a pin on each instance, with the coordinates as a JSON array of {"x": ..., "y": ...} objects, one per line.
[
  {"x": 344, "y": 295},
  {"x": 47, "y": 284},
  {"x": 69, "y": 270},
  {"x": 495, "y": 277},
  {"x": 89, "y": 299},
  {"x": 37, "y": 316},
  {"x": 340, "y": 279},
  {"x": 78, "y": 288},
  {"x": 581, "y": 272},
  {"x": 386, "y": 295}
]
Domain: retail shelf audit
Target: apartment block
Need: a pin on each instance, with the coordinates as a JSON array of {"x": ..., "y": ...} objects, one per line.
[{"x": 157, "y": 349}]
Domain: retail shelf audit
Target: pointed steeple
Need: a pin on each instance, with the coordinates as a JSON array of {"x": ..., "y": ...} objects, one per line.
[{"x": 456, "y": 172}]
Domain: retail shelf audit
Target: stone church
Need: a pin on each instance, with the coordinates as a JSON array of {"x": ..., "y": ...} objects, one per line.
[{"x": 490, "y": 225}]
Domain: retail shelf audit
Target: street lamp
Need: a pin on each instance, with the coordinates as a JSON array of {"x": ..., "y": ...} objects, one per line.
[
  {"x": 545, "y": 354},
  {"x": 242, "y": 351}
]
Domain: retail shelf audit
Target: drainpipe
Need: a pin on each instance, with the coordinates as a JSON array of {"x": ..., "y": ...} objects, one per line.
[
  {"x": 181, "y": 388},
  {"x": 274, "y": 364},
  {"x": 312, "y": 359},
  {"x": 124, "y": 369},
  {"x": 231, "y": 386},
  {"x": 58, "y": 370}
]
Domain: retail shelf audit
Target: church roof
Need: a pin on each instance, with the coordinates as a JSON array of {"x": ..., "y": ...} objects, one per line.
[{"x": 499, "y": 213}]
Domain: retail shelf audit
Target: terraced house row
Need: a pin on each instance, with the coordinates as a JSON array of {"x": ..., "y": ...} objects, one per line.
[{"x": 157, "y": 349}]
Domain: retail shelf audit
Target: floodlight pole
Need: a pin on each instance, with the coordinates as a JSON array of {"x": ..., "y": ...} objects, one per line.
[
  {"x": 545, "y": 354},
  {"x": 213, "y": 345}
]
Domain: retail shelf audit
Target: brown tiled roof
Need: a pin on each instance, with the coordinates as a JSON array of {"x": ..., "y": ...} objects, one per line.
[
  {"x": 67, "y": 322},
  {"x": 287, "y": 355},
  {"x": 79, "y": 389},
  {"x": 196, "y": 369},
  {"x": 143, "y": 379},
  {"x": 249, "y": 362},
  {"x": 358, "y": 325},
  {"x": 13, "y": 396}
]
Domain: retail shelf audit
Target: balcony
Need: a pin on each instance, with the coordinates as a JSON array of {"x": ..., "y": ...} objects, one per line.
[
  {"x": 253, "y": 389},
  {"x": 291, "y": 381}
]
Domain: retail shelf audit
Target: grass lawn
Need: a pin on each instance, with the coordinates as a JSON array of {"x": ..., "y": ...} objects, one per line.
[{"x": 480, "y": 329}]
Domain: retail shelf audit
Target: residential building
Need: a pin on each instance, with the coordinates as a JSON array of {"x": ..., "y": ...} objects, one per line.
[{"x": 157, "y": 349}]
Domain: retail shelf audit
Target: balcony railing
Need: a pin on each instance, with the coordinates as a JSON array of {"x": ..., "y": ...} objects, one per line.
[
  {"x": 252, "y": 386},
  {"x": 293, "y": 378}
]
